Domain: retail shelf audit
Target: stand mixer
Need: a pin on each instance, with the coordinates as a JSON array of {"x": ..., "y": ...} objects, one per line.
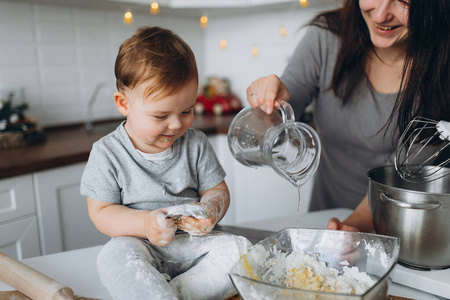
[
  {"x": 421, "y": 158},
  {"x": 422, "y": 142}
]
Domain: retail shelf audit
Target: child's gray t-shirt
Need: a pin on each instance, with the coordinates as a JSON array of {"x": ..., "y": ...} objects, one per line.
[{"x": 117, "y": 173}]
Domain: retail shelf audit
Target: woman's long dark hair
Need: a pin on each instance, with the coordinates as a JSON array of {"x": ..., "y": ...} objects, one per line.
[{"x": 425, "y": 87}]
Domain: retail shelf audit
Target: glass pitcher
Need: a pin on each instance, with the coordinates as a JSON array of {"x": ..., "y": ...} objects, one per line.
[{"x": 291, "y": 148}]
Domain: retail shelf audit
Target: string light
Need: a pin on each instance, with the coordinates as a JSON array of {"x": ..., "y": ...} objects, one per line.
[
  {"x": 303, "y": 3},
  {"x": 203, "y": 21},
  {"x": 283, "y": 31},
  {"x": 223, "y": 44},
  {"x": 154, "y": 8},
  {"x": 255, "y": 51},
  {"x": 128, "y": 18}
]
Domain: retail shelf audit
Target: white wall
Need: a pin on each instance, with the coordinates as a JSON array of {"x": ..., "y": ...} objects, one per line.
[
  {"x": 245, "y": 31},
  {"x": 59, "y": 53}
]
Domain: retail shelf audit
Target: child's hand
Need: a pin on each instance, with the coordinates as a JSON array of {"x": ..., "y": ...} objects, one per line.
[
  {"x": 216, "y": 202},
  {"x": 159, "y": 229},
  {"x": 195, "y": 226}
]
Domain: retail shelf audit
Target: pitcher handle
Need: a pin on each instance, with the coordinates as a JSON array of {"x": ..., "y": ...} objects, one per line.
[{"x": 287, "y": 113}]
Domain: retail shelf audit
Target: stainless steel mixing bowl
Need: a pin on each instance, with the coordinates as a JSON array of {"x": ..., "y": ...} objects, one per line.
[
  {"x": 260, "y": 273},
  {"x": 417, "y": 213}
]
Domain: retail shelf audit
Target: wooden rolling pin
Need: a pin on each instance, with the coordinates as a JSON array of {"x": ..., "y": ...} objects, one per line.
[{"x": 31, "y": 282}]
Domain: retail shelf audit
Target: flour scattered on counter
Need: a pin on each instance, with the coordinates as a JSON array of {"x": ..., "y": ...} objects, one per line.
[{"x": 303, "y": 271}]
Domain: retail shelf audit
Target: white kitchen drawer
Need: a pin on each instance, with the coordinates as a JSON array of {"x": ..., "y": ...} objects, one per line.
[
  {"x": 19, "y": 239},
  {"x": 16, "y": 197}
]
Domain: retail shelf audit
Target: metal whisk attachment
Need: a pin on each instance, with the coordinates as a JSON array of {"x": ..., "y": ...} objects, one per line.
[{"x": 423, "y": 150}]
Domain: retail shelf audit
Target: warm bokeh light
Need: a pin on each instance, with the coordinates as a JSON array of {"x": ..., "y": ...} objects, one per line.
[
  {"x": 255, "y": 51},
  {"x": 154, "y": 8},
  {"x": 223, "y": 44},
  {"x": 203, "y": 21},
  {"x": 283, "y": 31},
  {"x": 303, "y": 3},
  {"x": 128, "y": 18}
]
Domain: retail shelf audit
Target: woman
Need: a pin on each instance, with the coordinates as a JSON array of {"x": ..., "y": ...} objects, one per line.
[{"x": 371, "y": 66}]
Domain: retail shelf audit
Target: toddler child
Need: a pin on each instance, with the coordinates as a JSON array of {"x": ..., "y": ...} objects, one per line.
[{"x": 153, "y": 176}]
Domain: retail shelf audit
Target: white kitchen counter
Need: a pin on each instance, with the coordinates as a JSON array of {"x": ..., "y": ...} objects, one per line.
[
  {"x": 77, "y": 268},
  {"x": 315, "y": 220}
]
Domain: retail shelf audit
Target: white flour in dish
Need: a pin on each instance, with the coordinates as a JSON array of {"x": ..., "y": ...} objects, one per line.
[{"x": 303, "y": 271}]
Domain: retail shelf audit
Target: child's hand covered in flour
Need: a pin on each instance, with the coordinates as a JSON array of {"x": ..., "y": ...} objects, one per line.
[
  {"x": 159, "y": 229},
  {"x": 216, "y": 203}
]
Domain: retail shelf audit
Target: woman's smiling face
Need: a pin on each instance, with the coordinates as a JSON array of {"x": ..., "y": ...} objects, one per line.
[{"x": 387, "y": 21}]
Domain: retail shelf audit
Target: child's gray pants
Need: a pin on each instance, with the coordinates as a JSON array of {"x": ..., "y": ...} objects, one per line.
[{"x": 133, "y": 268}]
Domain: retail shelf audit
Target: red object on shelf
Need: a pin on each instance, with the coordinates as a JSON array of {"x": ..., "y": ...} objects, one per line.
[
  {"x": 216, "y": 98},
  {"x": 217, "y": 105}
]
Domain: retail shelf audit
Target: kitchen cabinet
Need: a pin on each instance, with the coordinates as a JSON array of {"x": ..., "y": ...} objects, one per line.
[
  {"x": 62, "y": 212},
  {"x": 18, "y": 223},
  {"x": 257, "y": 193},
  {"x": 43, "y": 213},
  {"x": 19, "y": 239},
  {"x": 16, "y": 197}
]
